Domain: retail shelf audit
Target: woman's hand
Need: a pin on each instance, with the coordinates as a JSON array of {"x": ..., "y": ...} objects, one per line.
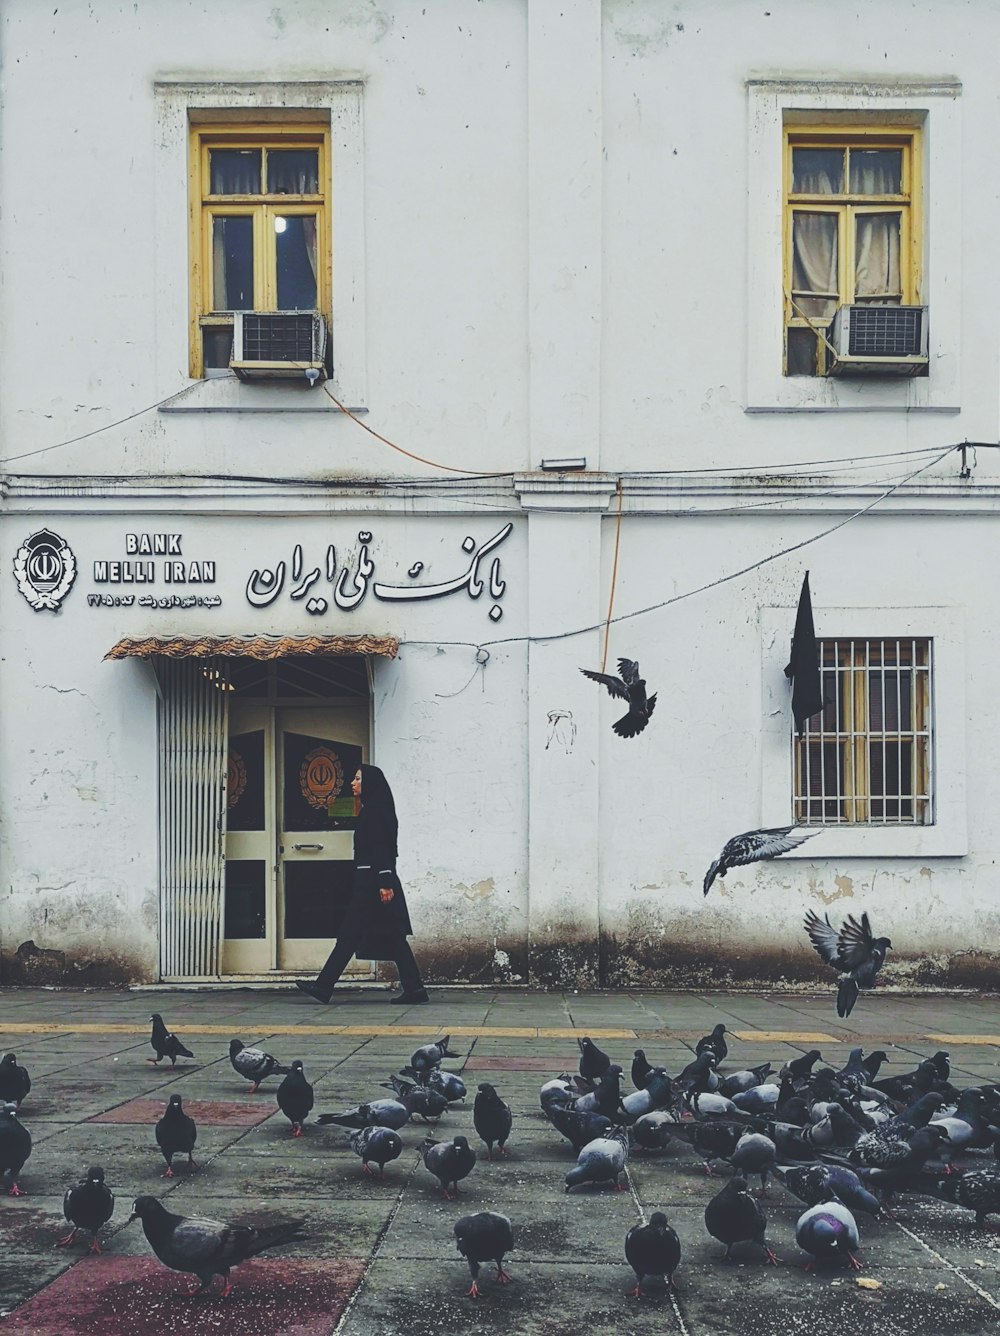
[{"x": 386, "y": 894}]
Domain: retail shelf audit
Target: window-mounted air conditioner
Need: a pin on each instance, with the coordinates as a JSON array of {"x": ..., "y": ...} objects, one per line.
[
  {"x": 879, "y": 341},
  {"x": 279, "y": 345}
]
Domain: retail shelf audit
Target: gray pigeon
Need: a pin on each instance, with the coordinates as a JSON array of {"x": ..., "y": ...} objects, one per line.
[
  {"x": 207, "y": 1248},
  {"x": 578, "y": 1128},
  {"x": 378, "y": 1113},
  {"x": 253, "y": 1064},
  {"x": 380, "y": 1144},
  {"x": 15, "y": 1147},
  {"x": 429, "y": 1056},
  {"x": 601, "y": 1161},
  {"x": 753, "y": 846},
  {"x": 165, "y": 1044},
  {"x": 88, "y": 1205},
  {"x": 449, "y": 1162},
  {"x": 829, "y": 1232},
  {"x": 486, "y": 1236},
  {"x": 422, "y": 1101},
  {"x": 755, "y": 1154},
  {"x": 653, "y": 1131}
]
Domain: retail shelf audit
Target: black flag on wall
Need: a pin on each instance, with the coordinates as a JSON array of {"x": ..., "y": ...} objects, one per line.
[{"x": 803, "y": 667}]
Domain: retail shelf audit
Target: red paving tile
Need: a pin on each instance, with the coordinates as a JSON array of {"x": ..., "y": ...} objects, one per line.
[
  {"x": 212, "y": 1113},
  {"x": 136, "y": 1296},
  {"x": 522, "y": 1064}
]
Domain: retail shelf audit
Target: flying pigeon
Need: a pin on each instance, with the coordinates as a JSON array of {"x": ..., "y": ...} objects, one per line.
[
  {"x": 733, "y": 1216},
  {"x": 378, "y": 1113},
  {"x": 165, "y": 1044},
  {"x": 631, "y": 687},
  {"x": 429, "y": 1056},
  {"x": 206, "y": 1248},
  {"x": 449, "y": 1162},
  {"x": 14, "y": 1081},
  {"x": 829, "y": 1232},
  {"x": 380, "y": 1144},
  {"x": 601, "y": 1161},
  {"x": 88, "y": 1205},
  {"x": 176, "y": 1134},
  {"x": 593, "y": 1063},
  {"x": 853, "y": 952},
  {"x": 253, "y": 1064},
  {"x": 486, "y": 1236},
  {"x": 295, "y": 1097},
  {"x": 492, "y": 1118},
  {"x": 15, "y": 1147},
  {"x": 652, "y": 1250},
  {"x": 753, "y": 846}
]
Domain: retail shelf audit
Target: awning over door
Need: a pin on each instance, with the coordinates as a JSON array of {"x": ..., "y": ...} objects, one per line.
[{"x": 250, "y": 647}]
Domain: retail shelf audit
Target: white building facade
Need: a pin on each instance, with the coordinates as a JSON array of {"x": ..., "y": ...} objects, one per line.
[{"x": 585, "y": 275}]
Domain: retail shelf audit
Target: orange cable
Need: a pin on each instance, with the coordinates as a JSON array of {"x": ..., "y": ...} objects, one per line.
[{"x": 614, "y": 578}]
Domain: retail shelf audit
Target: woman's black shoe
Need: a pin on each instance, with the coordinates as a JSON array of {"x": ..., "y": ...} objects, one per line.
[
  {"x": 405, "y": 999},
  {"x": 304, "y": 986}
]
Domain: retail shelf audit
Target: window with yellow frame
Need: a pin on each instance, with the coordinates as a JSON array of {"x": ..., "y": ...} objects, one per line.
[
  {"x": 852, "y": 231},
  {"x": 867, "y": 757},
  {"x": 259, "y": 229}
]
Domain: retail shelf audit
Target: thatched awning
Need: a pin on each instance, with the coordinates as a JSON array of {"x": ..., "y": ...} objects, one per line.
[{"x": 250, "y": 647}]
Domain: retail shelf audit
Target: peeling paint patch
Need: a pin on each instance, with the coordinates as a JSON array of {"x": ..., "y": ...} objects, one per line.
[{"x": 479, "y": 890}]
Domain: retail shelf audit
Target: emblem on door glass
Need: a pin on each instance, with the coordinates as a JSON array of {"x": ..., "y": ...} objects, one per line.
[
  {"x": 236, "y": 779},
  {"x": 44, "y": 568},
  {"x": 321, "y": 777}
]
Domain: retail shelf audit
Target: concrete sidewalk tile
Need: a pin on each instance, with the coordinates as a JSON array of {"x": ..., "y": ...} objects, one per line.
[{"x": 210, "y": 1113}]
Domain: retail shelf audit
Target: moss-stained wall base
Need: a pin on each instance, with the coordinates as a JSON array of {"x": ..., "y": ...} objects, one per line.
[
  {"x": 76, "y": 968},
  {"x": 559, "y": 961}
]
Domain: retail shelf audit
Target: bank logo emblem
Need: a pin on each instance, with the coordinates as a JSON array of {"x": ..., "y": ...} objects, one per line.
[
  {"x": 321, "y": 777},
  {"x": 45, "y": 568}
]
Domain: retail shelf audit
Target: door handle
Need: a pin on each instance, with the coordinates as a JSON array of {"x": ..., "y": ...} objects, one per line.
[{"x": 307, "y": 846}]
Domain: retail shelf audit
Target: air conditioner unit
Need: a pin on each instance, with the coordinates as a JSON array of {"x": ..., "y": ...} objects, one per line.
[
  {"x": 879, "y": 341},
  {"x": 279, "y": 345}
]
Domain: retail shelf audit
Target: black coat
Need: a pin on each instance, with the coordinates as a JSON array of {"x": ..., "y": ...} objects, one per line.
[{"x": 375, "y": 867}]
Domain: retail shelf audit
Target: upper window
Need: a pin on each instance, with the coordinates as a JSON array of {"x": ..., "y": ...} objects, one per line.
[
  {"x": 260, "y": 229},
  {"x": 867, "y": 757},
  {"x": 852, "y": 224}
]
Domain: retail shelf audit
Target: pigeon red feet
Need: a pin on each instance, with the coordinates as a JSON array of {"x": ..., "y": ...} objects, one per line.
[
  {"x": 502, "y": 1276},
  {"x": 770, "y": 1256},
  {"x": 62, "y": 1243},
  {"x": 473, "y": 1291},
  {"x": 154, "y": 1061},
  {"x": 192, "y": 1167},
  {"x": 227, "y": 1286},
  {"x": 854, "y": 1263},
  {"x": 15, "y": 1191},
  {"x": 169, "y": 1172},
  {"x": 637, "y": 1292},
  {"x": 95, "y": 1246},
  {"x": 255, "y": 1087},
  {"x": 296, "y": 1130}
]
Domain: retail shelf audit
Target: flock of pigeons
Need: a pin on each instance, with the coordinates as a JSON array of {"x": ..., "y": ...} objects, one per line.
[{"x": 843, "y": 1142}]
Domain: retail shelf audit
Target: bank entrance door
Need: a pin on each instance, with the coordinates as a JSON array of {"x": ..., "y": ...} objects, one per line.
[{"x": 289, "y": 832}]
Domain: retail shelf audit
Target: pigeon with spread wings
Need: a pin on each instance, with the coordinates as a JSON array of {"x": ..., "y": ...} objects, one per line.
[
  {"x": 753, "y": 846},
  {"x": 853, "y": 952},
  {"x": 629, "y": 686}
]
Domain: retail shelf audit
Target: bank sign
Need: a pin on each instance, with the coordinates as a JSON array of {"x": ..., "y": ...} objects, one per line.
[{"x": 156, "y": 571}]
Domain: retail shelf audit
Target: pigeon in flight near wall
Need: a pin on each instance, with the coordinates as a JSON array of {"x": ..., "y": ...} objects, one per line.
[
  {"x": 631, "y": 687},
  {"x": 853, "y": 952},
  {"x": 753, "y": 846}
]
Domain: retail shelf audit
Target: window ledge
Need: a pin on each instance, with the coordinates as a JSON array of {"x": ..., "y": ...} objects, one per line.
[
  {"x": 937, "y": 841},
  {"x": 229, "y": 394}
]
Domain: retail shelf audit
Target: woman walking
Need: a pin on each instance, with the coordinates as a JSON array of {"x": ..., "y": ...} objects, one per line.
[{"x": 376, "y": 923}]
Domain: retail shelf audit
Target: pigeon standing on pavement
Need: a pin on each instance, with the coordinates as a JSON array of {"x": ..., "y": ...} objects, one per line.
[
  {"x": 380, "y": 1144},
  {"x": 422, "y": 1101},
  {"x": 446, "y": 1083},
  {"x": 429, "y": 1056},
  {"x": 653, "y": 1250},
  {"x": 449, "y": 1162},
  {"x": 640, "y": 1069},
  {"x": 576, "y": 1126},
  {"x": 207, "y": 1248},
  {"x": 830, "y": 1233},
  {"x": 253, "y": 1064},
  {"x": 377, "y": 1113},
  {"x": 755, "y": 1153},
  {"x": 601, "y": 1161},
  {"x": 628, "y": 686},
  {"x": 714, "y": 1043},
  {"x": 164, "y": 1044},
  {"x": 593, "y": 1063},
  {"x": 176, "y": 1134},
  {"x": 88, "y": 1205},
  {"x": 853, "y": 952},
  {"x": 654, "y": 1130},
  {"x": 733, "y": 1216},
  {"x": 15, "y": 1147},
  {"x": 14, "y": 1081},
  {"x": 486, "y": 1236},
  {"x": 753, "y": 846},
  {"x": 492, "y": 1118},
  {"x": 295, "y": 1097}
]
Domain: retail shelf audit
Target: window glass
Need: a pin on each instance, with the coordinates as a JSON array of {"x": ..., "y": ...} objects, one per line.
[
  {"x": 815, "y": 263},
  {"x": 293, "y": 171},
  {"x": 295, "y": 250},
  {"x": 232, "y": 264},
  {"x": 877, "y": 257},
  {"x": 817, "y": 171},
  {"x": 217, "y": 346},
  {"x": 801, "y": 352},
  {"x": 876, "y": 171},
  {"x": 234, "y": 171}
]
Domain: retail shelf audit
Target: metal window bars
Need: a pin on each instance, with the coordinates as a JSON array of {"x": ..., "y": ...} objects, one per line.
[{"x": 867, "y": 758}]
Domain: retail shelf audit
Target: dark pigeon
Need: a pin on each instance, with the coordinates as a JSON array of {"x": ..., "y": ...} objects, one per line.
[
  {"x": 908, "y": 1086},
  {"x": 815, "y": 1183},
  {"x": 578, "y": 1127},
  {"x": 606, "y": 1098},
  {"x": 429, "y": 1056},
  {"x": 713, "y": 1043},
  {"x": 449, "y": 1162},
  {"x": 640, "y": 1069},
  {"x": 14, "y": 1081},
  {"x": 734, "y": 1216},
  {"x": 658, "y": 1094},
  {"x": 601, "y": 1161},
  {"x": 700, "y": 1074},
  {"x": 165, "y": 1044},
  {"x": 628, "y": 686},
  {"x": 830, "y": 1233},
  {"x": 377, "y": 1113},
  {"x": 422, "y": 1101},
  {"x": 755, "y": 1153},
  {"x": 15, "y": 1147},
  {"x": 253, "y": 1064},
  {"x": 295, "y": 1097},
  {"x": 889, "y": 1148},
  {"x": 449, "y": 1085},
  {"x": 800, "y": 1069},
  {"x": 176, "y": 1134},
  {"x": 711, "y": 1140},
  {"x": 977, "y": 1190},
  {"x": 593, "y": 1063},
  {"x": 853, "y": 952},
  {"x": 741, "y": 1081},
  {"x": 653, "y": 1250},
  {"x": 753, "y": 846},
  {"x": 486, "y": 1236},
  {"x": 380, "y": 1144},
  {"x": 207, "y": 1248},
  {"x": 88, "y": 1206},
  {"x": 654, "y": 1131},
  {"x": 492, "y": 1118}
]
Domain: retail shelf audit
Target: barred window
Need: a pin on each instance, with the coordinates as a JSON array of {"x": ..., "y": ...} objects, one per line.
[{"x": 867, "y": 759}]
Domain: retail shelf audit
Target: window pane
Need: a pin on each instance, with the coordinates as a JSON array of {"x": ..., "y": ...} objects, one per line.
[
  {"x": 232, "y": 264},
  {"x": 293, "y": 171},
  {"x": 817, "y": 171},
  {"x": 235, "y": 171},
  {"x": 245, "y": 782},
  {"x": 876, "y": 171},
  {"x": 245, "y": 911},
  {"x": 801, "y": 352},
  {"x": 217, "y": 346},
  {"x": 814, "y": 263},
  {"x": 877, "y": 272},
  {"x": 295, "y": 243}
]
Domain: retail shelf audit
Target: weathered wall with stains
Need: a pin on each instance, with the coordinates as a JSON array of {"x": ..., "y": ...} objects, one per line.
[{"x": 559, "y": 240}]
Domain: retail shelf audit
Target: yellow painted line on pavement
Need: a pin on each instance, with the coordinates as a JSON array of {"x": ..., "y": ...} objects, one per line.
[
  {"x": 785, "y": 1037},
  {"x": 374, "y": 1031},
  {"x": 964, "y": 1038}
]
